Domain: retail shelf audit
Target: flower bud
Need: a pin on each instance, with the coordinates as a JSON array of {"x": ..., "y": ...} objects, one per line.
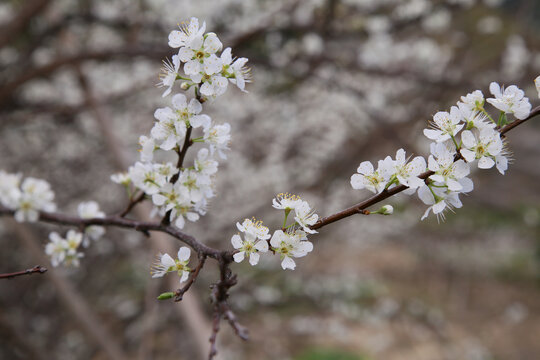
[
  {"x": 385, "y": 210},
  {"x": 184, "y": 86},
  {"x": 166, "y": 296}
]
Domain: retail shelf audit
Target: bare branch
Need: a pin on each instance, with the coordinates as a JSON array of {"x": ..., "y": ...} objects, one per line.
[{"x": 36, "y": 269}]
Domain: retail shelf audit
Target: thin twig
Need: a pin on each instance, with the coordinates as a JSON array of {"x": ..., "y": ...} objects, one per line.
[
  {"x": 36, "y": 269},
  {"x": 179, "y": 294},
  {"x": 134, "y": 201}
]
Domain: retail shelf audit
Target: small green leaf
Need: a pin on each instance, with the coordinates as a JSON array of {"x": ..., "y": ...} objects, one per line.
[{"x": 166, "y": 296}]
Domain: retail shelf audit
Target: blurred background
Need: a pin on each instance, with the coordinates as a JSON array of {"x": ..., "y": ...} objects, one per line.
[{"x": 335, "y": 82}]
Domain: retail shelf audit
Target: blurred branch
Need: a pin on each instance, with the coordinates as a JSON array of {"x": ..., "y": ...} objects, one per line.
[
  {"x": 9, "y": 89},
  {"x": 75, "y": 303},
  {"x": 36, "y": 269},
  {"x": 20, "y": 21}
]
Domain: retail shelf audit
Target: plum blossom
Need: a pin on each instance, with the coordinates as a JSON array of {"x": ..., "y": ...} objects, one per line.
[
  {"x": 169, "y": 73},
  {"x": 121, "y": 178},
  {"x": 286, "y": 201},
  {"x": 447, "y": 172},
  {"x": 9, "y": 189},
  {"x": 89, "y": 210},
  {"x": 369, "y": 178},
  {"x": 56, "y": 248},
  {"x": 235, "y": 71},
  {"x": 205, "y": 164},
  {"x": 64, "y": 250},
  {"x": 445, "y": 125},
  {"x": 147, "y": 150},
  {"x": 36, "y": 195},
  {"x": 473, "y": 101},
  {"x": 511, "y": 100},
  {"x": 175, "y": 198},
  {"x": 189, "y": 112},
  {"x": 254, "y": 226},
  {"x": 407, "y": 172},
  {"x": 168, "y": 130},
  {"x": 250, "y": 246},
  {"x": 305, "y": 217},
  {"x": 166, "y": 264},
  {"x": 218, "y": 137},
  {"x": 290, "y": 244},
  {"x": 487, "y": 147},
  {"x": 188, "y": 34}
]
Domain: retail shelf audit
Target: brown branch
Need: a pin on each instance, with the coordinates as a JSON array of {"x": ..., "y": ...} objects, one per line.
[
  {"x": 133, "y": 202},
  {"x": 142, "y": 226},
  {"x": 179, "y": 294},
  {"x": 385, "y": 194},
  {"x": 36, "y": 269}
]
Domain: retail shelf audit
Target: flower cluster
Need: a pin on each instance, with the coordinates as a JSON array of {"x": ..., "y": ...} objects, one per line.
[
  {"x": 288, "y": 242},
  {"x": 461, "y": 137},
  {"x": 181, "y": 192},
  {"x": 27, "y": 197},
  {"x": 64, "y": 250},
  {"x": 198, "y": 51}
]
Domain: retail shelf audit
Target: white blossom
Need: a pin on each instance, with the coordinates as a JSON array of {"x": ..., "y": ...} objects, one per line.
[
  {"x": 147, "y": 177},
  {"x": 199, "y": 56},
  {"x": 511, "y": 100},
  {"x": 440, "y": 198},
  {"x": 64, "y": 250},
  {"x": 89, "y": 210},
  {"x": 9, "y": 189},
  {"x": 235, "y": 71},
  {"x": 473, "y": 101},
  {"x": 537, "y": 83},
  {"x": 147, "y": 150},
  {"x": 487, "y": 147},
  {"x": 188, "y": 33},
  {"x": 166, "y": 264},
  {"x": 305, "y": 217},
  {"x": 407, "y": 172},
  {"x": 218, "y": 137},
  {"x": 168, "y": 130},
  {"x": 169, "y": 73},
  {"x": 445, "y": 125},
  {"x": 36, "y": 195},
  {"x": 369, "y": 178},
  {"x": 175, "y": 198},
  {"x": 189, "y": 112},
  {"x": 56, "y": 248},
  {"x": 250, "y": 246},
  {"x": 286, "y": 201},
  {"x": 290, "y": 244},
  {"x": 205, "y": 164},
  {"x": 255, "y": 227},
  {"x": 121, "y": 178},
  {"x": 447, "y": 172}
]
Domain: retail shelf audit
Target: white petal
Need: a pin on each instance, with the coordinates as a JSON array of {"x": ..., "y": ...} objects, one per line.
[
  {"x": 254, "y": 258},
  {"x": 184, "y": 253},
  {"x": 179, "y": 101},
  {"x": 238, "y": 257},
  {"x": 288, "y": 263},
  {"x": 236, "y": 241},
  {"x": 485, "y": 162},
  {"x": 167, "y": 260},
  {"x": 365, "y": 168}
]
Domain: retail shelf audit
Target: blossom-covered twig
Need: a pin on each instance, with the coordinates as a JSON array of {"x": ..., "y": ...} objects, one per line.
[
  {"x": 385, "y": 194},
  {"x": 36, "y": 269}
]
